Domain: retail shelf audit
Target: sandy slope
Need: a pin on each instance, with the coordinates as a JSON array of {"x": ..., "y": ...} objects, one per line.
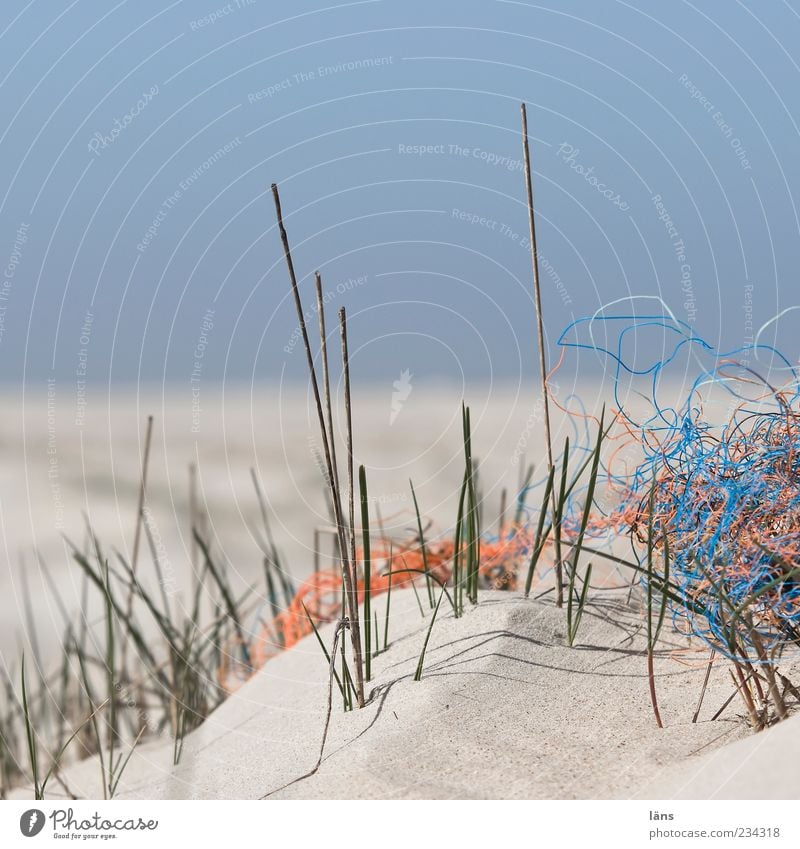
[
  {"x": 504, "y": 710},
  {"x": 761, "y": 766}
]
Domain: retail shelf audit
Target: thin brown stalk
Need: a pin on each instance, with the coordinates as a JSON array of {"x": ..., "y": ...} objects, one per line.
[
  {"x": 769, "y": 671},
  {"x": 705, "y": 685},
  {"x": 652, "y": 634},
  {"x": 788, "y": 687},
  {"x": 347, "y": 574},
  {"x": 326, "y": 380},
  {"x": 652, "y": 682},
  {"x": 762, "y": 698},
  {"x": 348, "y": 695},
  {"x": 349, "y": 425},
  {"x": 537, "y": 297},
  {"x": 355, "y": 629},
  {"x": 727, "y": 701},
  {"x": 309, "y": 356},
  {"x": 331, "y": 673},
  {"x": 316, "y": 549},
  {"x": 747, "y": 696}
]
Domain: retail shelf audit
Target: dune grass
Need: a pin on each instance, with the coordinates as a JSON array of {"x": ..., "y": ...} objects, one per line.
[
  {"x": 654, "y": 631},
  {"x": 428, "y": 582},
  {"x": 170, "y": 683},
  {"x": 366, "y": 565},
  {"x": 120, "y": 681},
  {"x": 575, "y": 600},
  {"x": 421, "y": 661}
]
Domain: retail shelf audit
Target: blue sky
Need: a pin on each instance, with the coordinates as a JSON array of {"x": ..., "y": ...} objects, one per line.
[{"x": 137, "y": 232}]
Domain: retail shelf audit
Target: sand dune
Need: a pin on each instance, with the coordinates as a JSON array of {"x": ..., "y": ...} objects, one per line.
[
  {"x": 761, "y": 766},
  {"x": 504, "y": 710}
]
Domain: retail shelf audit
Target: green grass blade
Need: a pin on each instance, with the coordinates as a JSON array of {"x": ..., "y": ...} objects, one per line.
[
  {"x": 573, "y": 619},
  {"x": 227, "y": 597},
  {"x": 93, "y": 716},
  {"x": 539, "y": 540},
  {"x": 388, "y": 601},
  {"x": 269, "y": 583},
  {"x": 663, "y": 611},
  {"x": 419, "y": 600},
  {"x": 442, "y": 584},
  {"x": 421, "y": 661},
  {"x": 523, "y": 495},
  {"x": 590, "y": 489},
  {"x": 131, "y": 629},
  {"x": 33, "y": 750},
  {"x": 457, "y": 578},
  {"x": 57, "y": 760},
  {"x": 581, "y": 469},
  {"x": 573, "y": 631},
  {"x": 121, "y": 767},
  {"x": 423, "y": 550},
  {"x": 367, "y": 565}
]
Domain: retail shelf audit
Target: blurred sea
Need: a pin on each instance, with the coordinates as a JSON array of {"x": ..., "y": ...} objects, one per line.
[{"x": 64, "y": 463}]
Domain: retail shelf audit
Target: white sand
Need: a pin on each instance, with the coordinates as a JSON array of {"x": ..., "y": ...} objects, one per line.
[
  {"x": 505, "y": 710},
  {"x": 761, "y": 766}
]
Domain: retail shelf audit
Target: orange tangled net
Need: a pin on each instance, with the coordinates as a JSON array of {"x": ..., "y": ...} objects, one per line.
[{"x": 320, "y": 595}]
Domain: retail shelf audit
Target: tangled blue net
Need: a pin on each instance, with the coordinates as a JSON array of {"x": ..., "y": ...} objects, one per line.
[{"x": 717, "y": 442}]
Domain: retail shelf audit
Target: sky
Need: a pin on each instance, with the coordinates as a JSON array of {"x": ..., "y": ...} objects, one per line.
[{"x": 137, "y": 230}]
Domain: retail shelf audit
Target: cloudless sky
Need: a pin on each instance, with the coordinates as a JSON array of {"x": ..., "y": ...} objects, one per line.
[{"x": 139, "y": 139}]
